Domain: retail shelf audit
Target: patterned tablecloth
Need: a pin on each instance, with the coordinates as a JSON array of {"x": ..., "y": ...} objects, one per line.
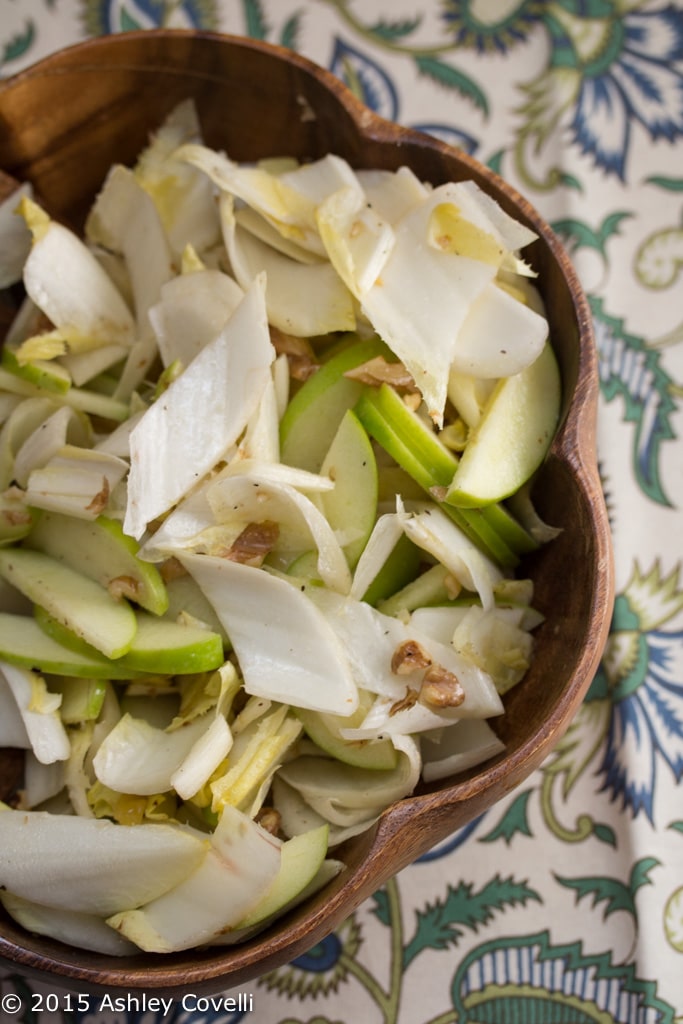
[{"x": 564, "y": 903}]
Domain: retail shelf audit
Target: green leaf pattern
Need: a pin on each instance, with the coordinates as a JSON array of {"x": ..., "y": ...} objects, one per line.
[{"x": 563, "y": 904}]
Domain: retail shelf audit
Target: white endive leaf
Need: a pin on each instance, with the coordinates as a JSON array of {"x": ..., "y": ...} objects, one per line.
[
  {"x": 261, "y": 228},
  {"x": 392, "y": 193},
  {"x": 41, "y": 781},
  {"x": 286, "y": 650},
  {"x": 183, "y": 195},
  {"x": 125, "y": 219},
  {"x": 71, "y": 855},
  {"x": 139, "y": 758},
  {"x": 192, "y": 310},
  {"x": 462, "y": 746},
  {"x": 40, "y": 713},
  {"x": 206, "y": 754},
  {"x": 239, "y": 867},
  {"x": 344, "y": 794},
  {"x": 370, "y": 640},
  {"x": 76, "y": 481},
  {"x": 202, "y": 413},
  {"x": 357, "y": 240},
  {"x": 15, "y": 238},
  {"x": 12, "y": 728},
  {"x": 433, "y": 531},
  {"x": 500, "y": 336},
  {"x": 65, "y": 281},
  {"x": 85, "y": 931},
  {"x": 297, "y": 817},
  {"x": 384, "y": 720},
  {"x": 422, "y": 299},
  {"x": 257, "y": 497},
  {"x": 384, "y": 537},
  {"x": 48, "y": 440},
  {"x": 328, "y": 306},
  {"x": 262, "y": 437}
]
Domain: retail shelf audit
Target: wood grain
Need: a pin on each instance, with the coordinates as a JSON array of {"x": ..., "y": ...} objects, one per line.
[{"x": 64, "y": 123}]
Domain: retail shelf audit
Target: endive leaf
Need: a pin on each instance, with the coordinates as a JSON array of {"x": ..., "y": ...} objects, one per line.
[
  {"x": 201, "y": 414},
  {"x": 286, "y": 650}
]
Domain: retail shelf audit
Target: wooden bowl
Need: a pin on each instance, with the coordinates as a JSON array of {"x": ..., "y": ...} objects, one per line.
[{"x": 64, "y": 122}]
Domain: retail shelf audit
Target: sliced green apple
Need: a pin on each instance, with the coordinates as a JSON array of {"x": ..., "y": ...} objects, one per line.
[
  {"x": 417, "y": 449},
  {"x": 402, "y": 566},
  {"x": 171, "y": 648},
  {"x": 241, "y": 863},
  {"x": 300, "y": 860},
  {"x": 72, "y": 856},
  {"x": 16, "y": 518},
  {"x": 512, "y": 437},
  {"x": 24, "y": 643},
  {"x": 43, "y": 373},
  {"x": 82, "y": 699},
  {"x": 323, "y": 729},
  {"x": 79, "y": 603},
  {"x": 314, "y": 413},
  {"x": 103, "y": 552},
  {"x": 351, "y": 506},
  {"x": 160, "y": 646}
]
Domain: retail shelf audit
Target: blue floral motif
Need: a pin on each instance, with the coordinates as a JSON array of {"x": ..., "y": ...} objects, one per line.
[
  {"x": 102, "y": 17},
  {"x": 366, "y": 79},
  {"x": 489, "y": 33},
  {"x": 451, "y": 136},
  {"x": 636, "y": 77},
  {"x": 646, "y": 725}
]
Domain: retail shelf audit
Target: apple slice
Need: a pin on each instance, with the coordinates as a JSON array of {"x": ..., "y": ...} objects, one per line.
[
  {"x": 351, "y": 506},
  {"x": 44, "y": 374},
  {"x": 77, "y": 602},
  {"x": 25, "y": 644},
  {"x": 16, "y": 518},
  {"x": 313, "y": 415},
  {"x": 417, "y": 449},
  {"x": 82, "y": 699},
  {"x": 241, "y": 864},
  {"x": 400, "y": 568},
  {"x": 92, "y": 865},
  {"x": 323, "y": 729},
  {"x": 86, "y": 931},
  {"x": 160, "y": 646},
  {"x": 301, "y": 858},
  {"x": 103, "y": 552},
  {"x": 512, "y": 437}
]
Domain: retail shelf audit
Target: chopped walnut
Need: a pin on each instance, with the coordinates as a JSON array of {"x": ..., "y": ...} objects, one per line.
[
  {"x": 408, "y": 657},
  {"x": 124, "y": 586},
  {"x": 378, "y": 371},
  {"x": 300, "y": 355},
  {"x": 172, "y": 569},
  {"x": 441, "y": 688},
  {"x": 269, "y": 819},
  {"x": 406, "y": 702},
  {"x": 254, "y": 543},
  {"x": 99, "y": 502},
  {"x": 413, "y": 400}
]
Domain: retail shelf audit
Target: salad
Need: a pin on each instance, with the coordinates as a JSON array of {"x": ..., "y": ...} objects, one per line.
[{"x": 266, "y": 443}]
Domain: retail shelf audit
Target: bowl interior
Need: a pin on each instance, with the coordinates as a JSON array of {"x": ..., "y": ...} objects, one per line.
[{"x": 64, "y": 123}]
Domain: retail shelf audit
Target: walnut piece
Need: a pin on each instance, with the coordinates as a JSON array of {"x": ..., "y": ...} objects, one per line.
[
  {"x": 254, "y": 543},
  {"x": 378, "y": 371},
  {"x": 269, "y": 819},
  {"x": 124, "y": 586},
  {"x": 406, "y": 702},
  {"x": 441, "y": 688},
  {"x": 408, "y": 657},
  {"x": 301, "y": 358}
]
